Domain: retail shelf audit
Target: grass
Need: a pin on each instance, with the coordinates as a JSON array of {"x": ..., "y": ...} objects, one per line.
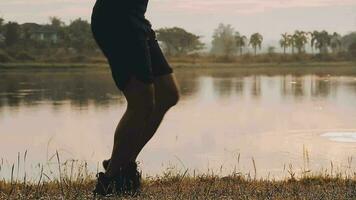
[
  {"x": 73, "y": 181},
  {"x": 179, "y": 186}
]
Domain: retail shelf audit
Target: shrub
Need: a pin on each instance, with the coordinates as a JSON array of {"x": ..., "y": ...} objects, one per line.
[
  {"x": 78, "y": 59},
  {"x": 5, "y": 57},
  {"x": 352, "y": 50},
  {"x": 24, "y": 56},
  {"x": 98, "y": 59}
]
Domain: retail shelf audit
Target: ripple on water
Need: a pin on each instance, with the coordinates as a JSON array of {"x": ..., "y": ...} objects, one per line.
[{"x": 341, "y": 136}]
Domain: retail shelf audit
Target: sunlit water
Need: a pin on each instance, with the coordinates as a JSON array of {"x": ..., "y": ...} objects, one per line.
[{"x": 225, "y": 119}]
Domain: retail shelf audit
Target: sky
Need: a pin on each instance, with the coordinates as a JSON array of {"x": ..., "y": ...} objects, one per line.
[{"x": 269, "y": 17}]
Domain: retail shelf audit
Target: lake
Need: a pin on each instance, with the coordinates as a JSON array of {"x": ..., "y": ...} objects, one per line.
[{"x": 226, "y": 120}]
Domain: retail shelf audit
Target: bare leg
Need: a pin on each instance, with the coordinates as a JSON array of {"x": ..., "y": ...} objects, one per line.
[
  {"x": 166, "y": 96},
  {"x": 140, "y": 104}
]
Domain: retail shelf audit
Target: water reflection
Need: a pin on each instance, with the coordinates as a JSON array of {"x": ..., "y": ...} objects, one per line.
[
  {"x": 82, "y": 87},
  {"x": 223, "y": 87},
  {"x": 268, "y": 115},
  {"x": 256, "y": 86},
  {"x": 321, "y": 87},
  {"x": 30, "y": 88}
]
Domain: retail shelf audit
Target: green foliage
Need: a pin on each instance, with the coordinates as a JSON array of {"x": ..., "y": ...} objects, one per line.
[
  {"x": 77, "y": 59},
  {"x": 271, "y": 50},
  {"x": 56, "y": 22},
  {"x": 352, "y": 50},
  {"x": 24, "y": 56},
  {"x": 1, "y": 24},
  {"x": 224, "y": 41},
  {"x": 321, "y": 40},
  {"x": 335, "y": 43},
  {"x": 78, "y": 35},
  {"x": 299, "y": 39},
  {"x": 241, "y": 41},
  {"x": 12, "y": 33},
  {"x": 20, "y": 55},
  {"x": 256, "y": 40},
  {"x": 285, "y": 42},
  {"x": 178, "y": 41},
  {"x": 59, "y": 42},
  {"x": 5, "y": 57},
  {"x": 347, "y": 40},
  {"x": 44, "y": 40}
]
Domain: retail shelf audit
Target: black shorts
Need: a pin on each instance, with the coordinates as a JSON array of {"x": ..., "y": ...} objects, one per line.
[{"x": 130, "y": 51}]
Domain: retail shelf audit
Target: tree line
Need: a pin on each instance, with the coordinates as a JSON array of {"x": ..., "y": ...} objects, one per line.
[
  {"x": 320, "y": 40},
  {"x": 72, "y": 42},
  {"x": 228, "y": 42},
  {"x": 30, "y": 40}
]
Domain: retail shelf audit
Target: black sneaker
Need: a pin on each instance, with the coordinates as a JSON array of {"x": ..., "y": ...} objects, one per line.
[
  {"x": 130, "y": 179},
  {"x": 104, "y": 185},
  {"x": 109, "y": 186}
]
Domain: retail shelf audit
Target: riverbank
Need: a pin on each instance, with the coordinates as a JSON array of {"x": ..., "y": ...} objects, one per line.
[
  {"x": 204, "y": 65},
  {"x": 182, "y": 186}
]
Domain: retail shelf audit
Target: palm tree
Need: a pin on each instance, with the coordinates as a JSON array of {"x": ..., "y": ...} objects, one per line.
[
  {"x": 284, "y": 42},
  {"x": 313, "y": 36},
  {"x": 291, "y": 41},
  {"x": 300, "y": 39},
  {"x": 256, "y": 41},
  {"x": 335, "y": 42},
  {"x": 322, "y": 41},
  {"x": 241, "y": 41}
]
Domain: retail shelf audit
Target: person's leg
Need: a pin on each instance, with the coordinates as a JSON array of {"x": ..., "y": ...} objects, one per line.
[
  {"x": 140, "y": 104},
  {"x": 166, "y": 96}
]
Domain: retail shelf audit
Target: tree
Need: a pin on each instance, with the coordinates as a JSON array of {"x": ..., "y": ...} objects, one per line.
[
  {"x": 256, "y": 41},
  {"x": 12, "y": 33},
  {"x": 78, "y": 35},
  {"x": 27, "y": 41},
  {"x": 224, "y": 41},
  {"x": 271, "y": 50},
  {"x": 352, "y": 50},
  {"x": 347, "y": 40},
  {"x": 1, "y": 24},
  {"x": 57, "y": 25},
  {"x": 321, "y": 40},
  {"x": 178, "y": 41},
  {"x": 241, "y": 41},
  {"x": 292, "y": 42},
  {"x": 313, "y": 36},
  {"x": 56, "y": 22},
  {"x": 300, "y": 39},
  {"x": 285, "y": 42},
  {"x": 335, "y": 42}
]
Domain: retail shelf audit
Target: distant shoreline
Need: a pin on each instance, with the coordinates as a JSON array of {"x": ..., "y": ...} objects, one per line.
[
  {"x": 202, "y": 65},
  {"x": 265, "y": 65}
]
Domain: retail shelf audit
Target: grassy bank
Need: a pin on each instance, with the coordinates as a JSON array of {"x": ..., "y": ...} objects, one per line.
[
  {"x": 183, "y": 65},
  {"x": 182, "y": 186},
  {"x": 74, "y": 181}
]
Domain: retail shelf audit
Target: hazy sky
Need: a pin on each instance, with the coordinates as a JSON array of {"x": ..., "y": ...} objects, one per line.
[{"x": 269, "y": 17}]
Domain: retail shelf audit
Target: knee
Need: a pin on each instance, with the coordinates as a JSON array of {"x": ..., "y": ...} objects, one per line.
[
  {"x": 173, "y": 100},
  {"x": 168, "y": 101}
]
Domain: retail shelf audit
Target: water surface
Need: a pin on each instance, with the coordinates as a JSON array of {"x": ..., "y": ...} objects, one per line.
[{"x": 225, "y": 118}]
